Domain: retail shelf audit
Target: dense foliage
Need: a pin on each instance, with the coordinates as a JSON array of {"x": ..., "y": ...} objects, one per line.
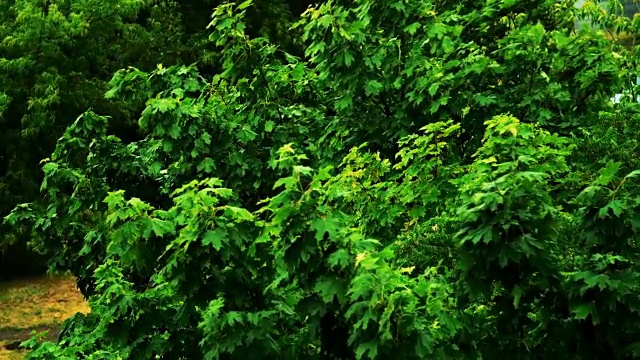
[
  {"x": 56, "y": 59},
  {"x": 385, "y": 179}
]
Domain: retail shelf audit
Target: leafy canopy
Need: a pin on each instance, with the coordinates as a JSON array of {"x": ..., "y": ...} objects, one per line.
[{"x": 422, "y": 179}]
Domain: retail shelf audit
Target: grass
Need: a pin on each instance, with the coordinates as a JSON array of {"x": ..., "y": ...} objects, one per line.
[
  {"x": 43, "y": 302},
  {"x": 12, "y": 355}
]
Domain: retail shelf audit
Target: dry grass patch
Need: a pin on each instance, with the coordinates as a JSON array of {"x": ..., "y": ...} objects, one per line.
[
  {"x": 11, "y": 355},
  {"x": 41, "y": 303}
]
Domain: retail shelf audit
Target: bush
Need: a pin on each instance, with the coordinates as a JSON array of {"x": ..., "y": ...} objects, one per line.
[{"x": 423, "y": 183}]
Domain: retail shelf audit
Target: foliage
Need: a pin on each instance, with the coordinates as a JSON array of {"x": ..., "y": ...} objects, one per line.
[
  {"x": 56, "y": 60},
  {"x": 425, "y": 179}
]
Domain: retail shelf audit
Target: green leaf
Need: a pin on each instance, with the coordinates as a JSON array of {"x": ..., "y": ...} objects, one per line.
[
  {"x": 233, "y": 317},
  {"x": 305, "y": 170},
  {"x": 215, "y": 238},
  {"x": 373, "y": 87},
  {"x": 315, "y": 48},
  {"x": 348, "y": 57},
  {"x": 162, "y": 105},
  {"x": 287, "y": 182},
  {"x": 369, "y": 348},
  {"x": 617, "y": 206},
  {"x": 328, "y": 288},
  {"x": 207, "y": 165},
  {"x": 269, "y": 125},
  {"x": 138, "y": 205},
  {"x": 608, "y": 173},
  {"x": 582, "y": 311},
  {"x": 162, "y": 227},
  {"x": 345, "y": 102},
  {"x": 433, "y": 88},
  {"x": 175, "y": 130},
  {"x": 517, "y": 294},
  {"x": 339, "y": 258},
  {"x": 633, "y": 174},
  {"x": 412, "y": 28},
  {"x": 115, "y": 199},
  {"x": 238, "y": 214},
  {"x": 245, "y": 4},
  {"x": 325, "y": 224}
]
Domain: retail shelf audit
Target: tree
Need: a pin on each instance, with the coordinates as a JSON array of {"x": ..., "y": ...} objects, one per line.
[
  {"x": 424, "y": 181},
  {"x": 57, "y": 59}
]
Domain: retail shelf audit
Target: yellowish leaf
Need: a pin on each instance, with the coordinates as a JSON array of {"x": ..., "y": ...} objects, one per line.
[
  {"x": 360, "y": 257},
  {"x": 407, "y": 269}
]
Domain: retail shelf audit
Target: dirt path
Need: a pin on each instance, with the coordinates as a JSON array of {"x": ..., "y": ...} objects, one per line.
[{"x": 10, "y": 339}]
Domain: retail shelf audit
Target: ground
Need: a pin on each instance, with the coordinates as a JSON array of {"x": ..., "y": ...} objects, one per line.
[{"x": 35, "y": 304}]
